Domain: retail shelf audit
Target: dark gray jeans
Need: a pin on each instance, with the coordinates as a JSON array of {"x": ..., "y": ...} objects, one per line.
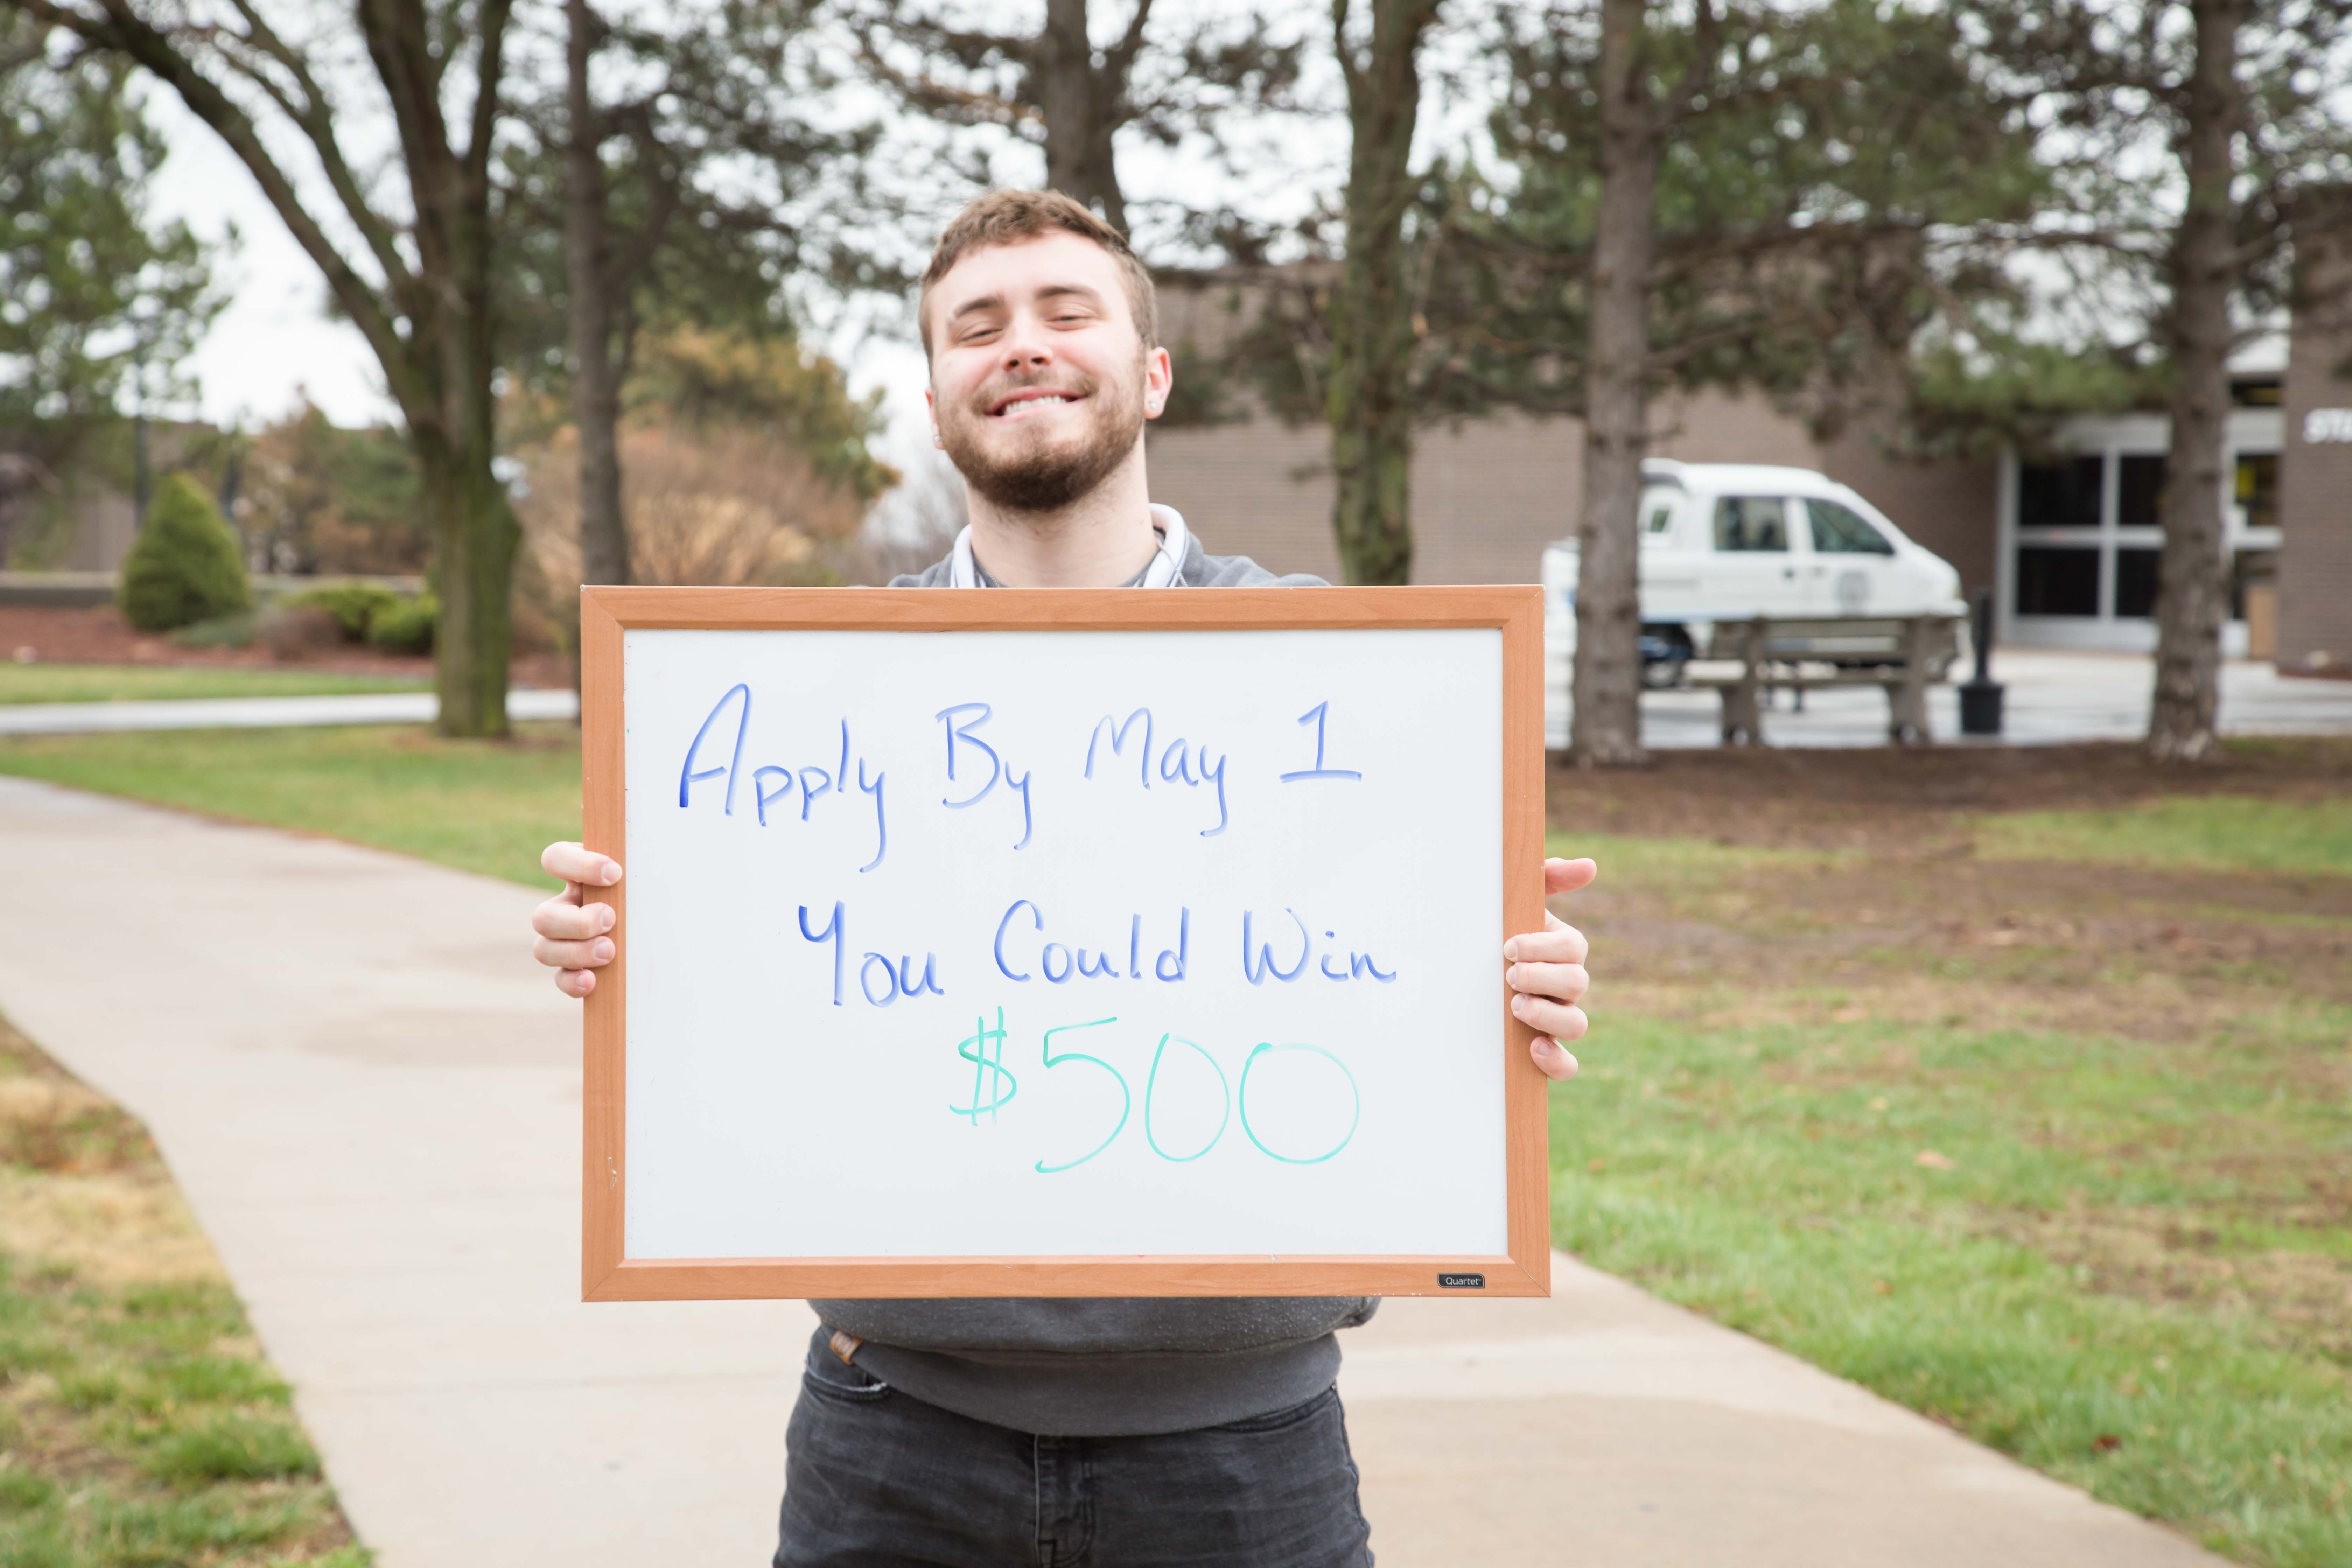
[{"x": 877, "y": 1478}]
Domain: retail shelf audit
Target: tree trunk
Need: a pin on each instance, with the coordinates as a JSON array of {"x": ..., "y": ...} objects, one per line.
[
  {"x": 2192, "y": 577},
  {"x": 474, "y": 529},
  {"x": 595, "y": 384},
  {"x": 1367, "y": 401},
  {"x": 1079, "y": 106},
  {"x": 1607, "y": 683},
  {"x": 474, "y": 539}
]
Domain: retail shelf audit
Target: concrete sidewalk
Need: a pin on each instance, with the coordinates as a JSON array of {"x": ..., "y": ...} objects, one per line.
[
  {"x": 371, "y": 1099},
  {"x": 261, "y": 712}
]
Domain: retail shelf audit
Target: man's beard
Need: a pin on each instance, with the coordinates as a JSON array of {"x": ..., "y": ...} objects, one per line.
[{"x": 1051, "y": 479}]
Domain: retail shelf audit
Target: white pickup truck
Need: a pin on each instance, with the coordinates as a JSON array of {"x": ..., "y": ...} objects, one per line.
[{"x": 1729, "y": 541}]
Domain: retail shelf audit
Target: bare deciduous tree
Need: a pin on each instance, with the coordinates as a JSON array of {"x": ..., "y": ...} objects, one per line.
[
  {"x": 1372, "y": 325},
  {"x": 418, "y": 287}
]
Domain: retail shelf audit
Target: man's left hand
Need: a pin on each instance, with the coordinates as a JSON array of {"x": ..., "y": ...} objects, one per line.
[{"x": 1546, "y": 973}]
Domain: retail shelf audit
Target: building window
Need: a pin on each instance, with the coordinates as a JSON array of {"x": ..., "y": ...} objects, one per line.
[
  {"x": 2139, "y": 490},
  {"x": 2057, "y": 580},
  {"x": 2257, "y": 392},
  {"x": 2084, "y": 550},
  {"x": 2063, "y": 494},
  {"x": 2257, "y": 488},
  {"x": 2136, "y": 575}
]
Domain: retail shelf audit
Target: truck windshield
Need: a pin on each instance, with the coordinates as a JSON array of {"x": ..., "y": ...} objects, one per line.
[
  {"x": 1842, "y": 530},
  {"x": 1751, "y": 522}
]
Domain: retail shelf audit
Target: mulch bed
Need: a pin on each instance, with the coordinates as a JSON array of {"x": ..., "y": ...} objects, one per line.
[
  {"x": 1909, "y": 880},
  {"x": 1897, "y": 798},
  {"x": 101, "y": 635}
]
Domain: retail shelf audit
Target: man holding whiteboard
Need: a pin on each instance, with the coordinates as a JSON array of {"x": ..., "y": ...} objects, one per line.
[{"x": 1168, "y": 1430}]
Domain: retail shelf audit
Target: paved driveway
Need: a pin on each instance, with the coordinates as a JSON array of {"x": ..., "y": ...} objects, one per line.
[{"x": 2052, "y": 697}]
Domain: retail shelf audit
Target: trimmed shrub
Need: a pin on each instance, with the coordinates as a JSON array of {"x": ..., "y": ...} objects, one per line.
[
  {"x": 354, "y": 605},
  {"x": 184, "y": 567},
  {"x": 405, "y": 625},
  {"x": 234, "y": 630}
]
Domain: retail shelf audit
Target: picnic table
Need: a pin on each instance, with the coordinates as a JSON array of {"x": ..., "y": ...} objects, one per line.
[{"x": 1902, "y": 655}]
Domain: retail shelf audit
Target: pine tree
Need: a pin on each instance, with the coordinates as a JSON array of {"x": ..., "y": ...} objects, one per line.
[{"x": 185, "y": 566}]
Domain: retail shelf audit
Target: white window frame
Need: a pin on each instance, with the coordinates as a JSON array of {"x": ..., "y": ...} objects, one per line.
[{"x": 2250, "y": 432}]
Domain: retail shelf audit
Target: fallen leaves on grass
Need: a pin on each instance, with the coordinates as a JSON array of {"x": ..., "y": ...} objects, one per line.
[
  {"x": 117, "y": 1228},
  {"x": 139, "y": 1423}
]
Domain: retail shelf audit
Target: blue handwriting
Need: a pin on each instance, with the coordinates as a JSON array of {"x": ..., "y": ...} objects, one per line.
[
  {"x": 1255, "y": 970},
  {"x": 961, "y": 735},
  {"x": 811, "y": 781},
  {"x": 1319, "y": 714},
  {"x": 1059, "y": 964},
  {"x": 1176, "y": 761}
]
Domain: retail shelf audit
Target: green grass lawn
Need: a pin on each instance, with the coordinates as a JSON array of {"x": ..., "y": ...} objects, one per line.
[
  {"x": 2053, "y": 1143},
  {"x": 2016, "y": 1285},
  {"x": 147, "y": 683},
  {"x": 484, "y": 805},
  {"x": 141, "y": 1426},
  {"x": 2207, "y": 833},
  {"x": 2045, "y": 1131}
]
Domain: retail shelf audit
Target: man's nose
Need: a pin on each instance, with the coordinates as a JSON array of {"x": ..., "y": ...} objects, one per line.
[{"x": 1026, "y": 345}]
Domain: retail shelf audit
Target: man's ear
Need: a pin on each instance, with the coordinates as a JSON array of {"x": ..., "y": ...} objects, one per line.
[
  {"x": 1159, "y": 380},
  {"x": 932, "y": 409}
]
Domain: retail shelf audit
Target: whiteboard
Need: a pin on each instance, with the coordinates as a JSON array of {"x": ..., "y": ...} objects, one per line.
[{"x": 1016, "y": 943}]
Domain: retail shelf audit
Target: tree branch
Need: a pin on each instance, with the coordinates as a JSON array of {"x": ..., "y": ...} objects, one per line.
[
  {"x": 1706, "y": 38},
  {"x": 928, "y": 92},
  {"x": 489, "y": 68},
  {"x": 312, "y": 116},
  {"x": 1350, "y": 70},
  {"x": 662, "y": 191},
  {"x": 397, "y": 38},
  {"x": 122, "y": 32},
  {"x": 1120, "y": 56}
]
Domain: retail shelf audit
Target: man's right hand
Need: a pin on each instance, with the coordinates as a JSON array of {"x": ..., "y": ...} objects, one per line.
[{"x": 572, "y": 939}]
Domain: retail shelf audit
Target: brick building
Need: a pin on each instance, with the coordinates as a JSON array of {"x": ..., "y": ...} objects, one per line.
[
  {"x": 2314, "y": 612},
  {"x": 2069, "y": 545}
]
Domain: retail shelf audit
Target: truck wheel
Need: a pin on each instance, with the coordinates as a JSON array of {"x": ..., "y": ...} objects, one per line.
[{"x": 1665, "y": 650}]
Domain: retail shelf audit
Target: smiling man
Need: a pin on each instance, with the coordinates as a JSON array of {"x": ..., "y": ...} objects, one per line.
[
  {"x": 1043, "y": 343},
  {"x": 1109, "y": 1433}
]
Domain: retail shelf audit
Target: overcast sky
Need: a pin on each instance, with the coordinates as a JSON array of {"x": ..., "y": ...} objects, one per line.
[{"x": 274, "y": 342}]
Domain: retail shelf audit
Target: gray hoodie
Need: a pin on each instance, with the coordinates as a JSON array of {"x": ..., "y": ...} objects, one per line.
[{"x": 1102, "y": 1367}]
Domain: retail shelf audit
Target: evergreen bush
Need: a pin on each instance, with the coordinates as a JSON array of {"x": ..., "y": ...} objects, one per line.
[
  {"x": 405, "y": 625},
  {"x": 355, "y": 606},
  {"x": 185, "y": 566}
]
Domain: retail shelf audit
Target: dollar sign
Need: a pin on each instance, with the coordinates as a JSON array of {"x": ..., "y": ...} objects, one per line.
[{"x": 985, "y": 1051}]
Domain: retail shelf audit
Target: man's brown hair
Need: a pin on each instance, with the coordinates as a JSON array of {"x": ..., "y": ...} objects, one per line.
[{"x": 1009, "y": 218}]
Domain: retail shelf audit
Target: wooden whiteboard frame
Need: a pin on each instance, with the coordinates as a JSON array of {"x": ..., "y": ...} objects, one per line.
[{"x": 607, "y": 1275}]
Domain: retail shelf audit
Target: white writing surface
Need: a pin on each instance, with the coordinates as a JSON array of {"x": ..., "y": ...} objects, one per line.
[{"x": 1064, "y": 944}]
